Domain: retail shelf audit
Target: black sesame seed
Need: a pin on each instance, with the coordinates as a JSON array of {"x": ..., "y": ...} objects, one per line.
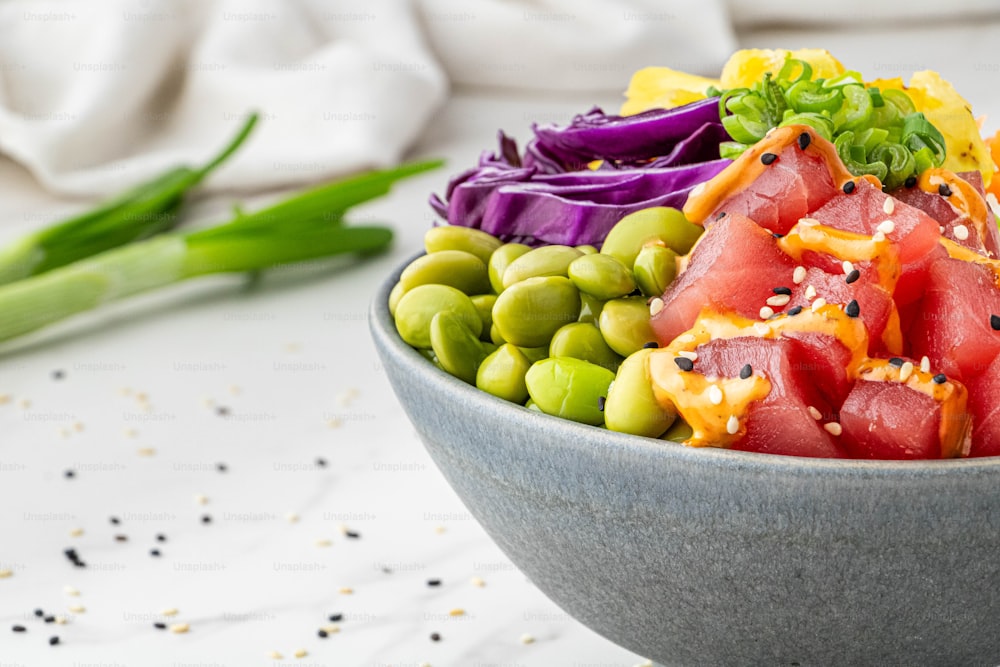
[
  {"x": 651, "y": 345},
  {"x": 910, "y": 181},
  {"x": 206, "y": 518},
  {"x": 720, "y": 215},
  {"x": 353, "y": 534},
  {"x": 768, "y": 158},
  {"x": 849, "y": 187},
  {"x": 221, "y": 467},
  {"x": 944, "y": 190},
  {"x": 794, "y": 310},
  {"x": 601, "y": 402},
  {"x": 321, "y": 633},
  {"x": 58, "y": 374},
  {"x": 852, "y": 276},
  {"x": 777, "y": 235},
  {"x": 19, "y": 628},
  {"x": 787, "y": 291},
  {"x": 121, "y": 538},
  {"x": 387, "y": 570},
  {"x": 896, "y": 361},
  {"x": 435, "y": 636},
  {"x": 853, "y": 309},
  {"x": 154, "y": 552},
  {"x": 747, "y": 370},
  {"x": 804, "y": 140},
  {"x": 160, "y": 537},
  {"x": 53, "y": 640},
  {"x": 222, "y": 411},
  {"x": 335, "y": 618},
  {"x": 159, "y": 625},
  {"x": 940, "y": 378},
  {"x": 684, "y": 363},
  {"x": 50, "y": 619},
  {"x": 115, "y": 520},
  {"x": 433, "y": 582},
  {"x": 69, "y": 474},
  {"x": 995, "y": 322},
  {"x": 320, "y": 463}
]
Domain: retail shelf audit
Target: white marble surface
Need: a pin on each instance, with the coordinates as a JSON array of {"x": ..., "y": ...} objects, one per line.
[{"x": 136, "y": 416}]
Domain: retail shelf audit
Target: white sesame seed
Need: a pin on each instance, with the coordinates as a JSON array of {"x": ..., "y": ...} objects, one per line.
[
  {"x": 686, "y": 338},
  {"x": 833, "y": 428},
  {"x": 170, "y": 611},
  {"x": 697, "y": 190},
  {"x": 24, "y": 404},
  {"x": 301, "y": 653},
  {"x": 292, "y": 517},
  {"x": 527, "y": 639},
  {"x": 810, "y": 292},
  {"x": 808, "y": 222},
  {"x": 766, "y": 312},
  {"x": 201, "y": 499},
  {"x": 334, "y": 422},
  {"x": 961, "y": 232},
  {"x": 761, "y": 329},
  {"x": 799, "y": 274},
  {"x": 889, "y": 205},
  {"x": 846, "y": 266},
  {"x": 5, "y": 574},
  {"x": 77, "y": 608},
  {"x": 274, "y": 655},
  {"x": 941, "y": 228},
  {"x": 69, "y": 590},
  {"x": 925, "y": 365},
  {"x": 715, "y": 395},
  {"x": 878, "y": 237},
  {"x": 60, "y": 620},
  {"x": 732, "y": 425},
  {"x": 688, "y": 354},
  {"x": 179, "y": 628},
  {"x": 905, "y": 371},
  {"x": 655, "y": 306},
  {"x": 346, "y": 590},
  {"x": 457, "y": 612},
  {"x": 323, "y": 543},
  {"x": 779, "y": 300},
  {"x": 146, "y": 451},
  {"x": 817, "y": 304},
  {"x": 477, "y": 581},
  {"x": 4, "y": 399},
  {"x": 886, "y": 226},
  {"x": 331, "y": 629},
  {"x": 76, "y": 532},
  {"x": 814, "y": 413}
]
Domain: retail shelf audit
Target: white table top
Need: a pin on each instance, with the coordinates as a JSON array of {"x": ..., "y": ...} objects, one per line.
[{"x": 312, "y": 428}]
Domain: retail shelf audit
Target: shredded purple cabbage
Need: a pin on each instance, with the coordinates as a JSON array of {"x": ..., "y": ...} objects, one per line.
[{"x": 550, "y": 196}]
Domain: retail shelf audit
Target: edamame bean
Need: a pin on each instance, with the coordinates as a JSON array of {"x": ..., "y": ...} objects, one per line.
[
  {"x": 484, "y": 304},
  {"x": 529, "y": 312},
  {"x": 456, "y": 268},
  {"x": 495, "y": 336},
  {"x": 624, "y": 323},
  {"x": 535, "y": 353},
  {"x": 466, "y": 239},
  {"x": 655, "y": 268},
  {"x": 550, "y": 260},
  {"x": 658, "y": 225},
  {"x": 395, "y": 294},
  {"x": 419, "y": 305},
  {"x": 679, "y": 432},
  {"x": 587, "y": 249},
  {"x": 459, "y": 351},
  {"x": 631, "y": 406},
  {"x": 581, "y": 340},
  {"x": 601, "y": 276},
  {"x": 590, "y": 308},
  {"x": 569, "y": 388},
  {"x": 502, "y": 374},
  {"x": 501, "y": 259}
]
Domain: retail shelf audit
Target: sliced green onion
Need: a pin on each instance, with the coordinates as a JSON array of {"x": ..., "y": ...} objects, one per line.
[
  {"x": 138, "y": 213},
  {"x": 856, "y": 114},
  {"x": 822, "y": 124},
  {"x": 810, "y": 96},
  {"x": 919, "y": 133},
  {"x": 791, "y": 64},
  {"x": 306, "y": 226},
  {"x": 898, "y": 159}
]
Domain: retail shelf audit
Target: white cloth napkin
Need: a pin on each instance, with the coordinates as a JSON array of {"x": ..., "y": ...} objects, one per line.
[{"x": 95, "y": 96}]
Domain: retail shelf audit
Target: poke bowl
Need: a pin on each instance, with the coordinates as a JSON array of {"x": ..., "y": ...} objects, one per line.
[{"x": 758, "y": 429}]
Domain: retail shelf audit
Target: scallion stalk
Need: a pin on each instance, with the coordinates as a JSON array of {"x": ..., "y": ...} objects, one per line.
[
  {"x": 139, "y": 213},
  {"x": 306, "y": 226}
]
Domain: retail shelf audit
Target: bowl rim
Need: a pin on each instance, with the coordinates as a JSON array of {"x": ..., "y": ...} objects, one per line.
[{"x": 573, "y": 435}]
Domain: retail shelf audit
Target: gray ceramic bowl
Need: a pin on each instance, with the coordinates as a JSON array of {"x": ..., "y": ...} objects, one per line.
[{"x": 715, "y": 557}]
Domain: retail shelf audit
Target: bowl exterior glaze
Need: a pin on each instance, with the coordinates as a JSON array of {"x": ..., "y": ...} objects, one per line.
[{"x": 715, "y": 557}]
